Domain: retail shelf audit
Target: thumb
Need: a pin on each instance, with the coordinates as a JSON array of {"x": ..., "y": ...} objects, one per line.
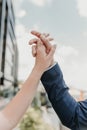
[
  {"x": 52, "y": 51},
  {"x": 34, "y": 50}
]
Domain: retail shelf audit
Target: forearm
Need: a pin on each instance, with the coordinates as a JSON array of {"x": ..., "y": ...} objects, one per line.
[
  {"x": 16, "y": 108},
  {"x": 62, "y": 102}
]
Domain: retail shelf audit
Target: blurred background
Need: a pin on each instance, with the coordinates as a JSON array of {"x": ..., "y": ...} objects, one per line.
[{"x": 66, "y": 21}]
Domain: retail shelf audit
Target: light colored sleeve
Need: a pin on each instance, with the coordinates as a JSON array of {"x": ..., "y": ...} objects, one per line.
[
  {"x": 5, "y": 124},
  {"x": 51, "y": 66}
]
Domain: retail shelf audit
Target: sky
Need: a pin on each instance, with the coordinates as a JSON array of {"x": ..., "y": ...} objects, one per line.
[{"x": 66, "y": 21}]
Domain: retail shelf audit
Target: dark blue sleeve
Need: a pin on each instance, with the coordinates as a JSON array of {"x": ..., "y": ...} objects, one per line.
[{"x": 63, "y": 103}]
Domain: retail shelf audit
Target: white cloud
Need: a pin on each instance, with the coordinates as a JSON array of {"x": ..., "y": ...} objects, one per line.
[
  {"x": 85, "y": 34},
  {"x": 21, "y": 13},
  {"x": 35, "y": 27},
  {"x": 67, "y": 51},
  {"x": 17, "y": 2},
  {"x": 78, "y": 76},
  {"x": 73, "y": 69},
  {"x": 64, "y": 53},
  {"x": 20, "y": 30},
  {"x": 82, "y": 7},
  {"x": 41, "y": 3},
  {"x": 26, "y": 60}
]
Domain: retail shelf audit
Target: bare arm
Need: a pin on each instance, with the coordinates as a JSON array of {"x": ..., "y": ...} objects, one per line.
[{"x": 16, "y": 108}]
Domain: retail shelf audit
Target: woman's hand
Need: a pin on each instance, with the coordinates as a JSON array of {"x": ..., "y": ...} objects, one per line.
[
  {"x": 44, "y": 40},
  {"x": 43, "y": 60}
]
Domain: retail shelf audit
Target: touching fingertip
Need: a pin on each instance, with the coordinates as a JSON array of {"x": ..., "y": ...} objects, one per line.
[
  {"x": 29, "y": 42},
  {"x": 32, "y": 31}
]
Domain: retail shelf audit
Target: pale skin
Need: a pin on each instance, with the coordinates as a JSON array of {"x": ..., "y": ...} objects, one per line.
[
  {"x": 13, "y": 112},
  {"x": 44, "y": 39}
]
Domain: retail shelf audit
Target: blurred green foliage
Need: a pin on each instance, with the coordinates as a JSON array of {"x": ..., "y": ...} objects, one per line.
[{"x": 33, "y": 120}]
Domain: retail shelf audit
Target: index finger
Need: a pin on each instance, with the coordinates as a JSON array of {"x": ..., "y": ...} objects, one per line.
[
  {"x": 38, "y": 34},
  {"x": 42, "y": 37}
]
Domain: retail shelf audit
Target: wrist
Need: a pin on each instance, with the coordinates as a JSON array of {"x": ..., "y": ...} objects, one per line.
[
  {"x": 38, "y": 70},
  {"x": 35, "y": 74},
  {"x": 52, "y": 63}
]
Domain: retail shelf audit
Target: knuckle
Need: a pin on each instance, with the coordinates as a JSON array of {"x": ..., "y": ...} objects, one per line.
[{"x": 46, "y": 40}]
